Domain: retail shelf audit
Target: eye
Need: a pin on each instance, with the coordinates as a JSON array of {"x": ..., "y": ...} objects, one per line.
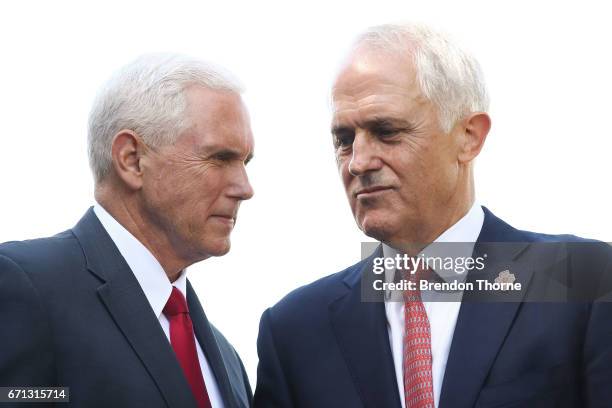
[
  {"x": 224, "y": 157},
  {"x": 343, "y": 138},
  {"x": 385, "y": 132}
]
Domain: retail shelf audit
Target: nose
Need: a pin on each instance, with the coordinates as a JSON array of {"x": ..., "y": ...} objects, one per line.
[
  {"x": 242, "y": 187},
  {"x": 365, "y": 157}
]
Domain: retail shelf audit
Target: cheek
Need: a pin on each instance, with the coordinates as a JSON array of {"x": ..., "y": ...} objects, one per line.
[
  {"x": 347, "y": 181},
  {"x": 186, "y": 194},
  {"x": 161, "y": 190},
  {"x": 343, "y": 169},
  {"x": 437, "y": 173},
  {"x": 212, "y": 189},
  {"x": 419, "y": 163},
  {"x": 442, "y": 158},
  {"x": 204, "y": 192}
]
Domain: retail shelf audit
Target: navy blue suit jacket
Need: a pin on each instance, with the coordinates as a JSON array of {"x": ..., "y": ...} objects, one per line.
[
  {"x": 321, "y": 346},
  {"x": 73, "y": 314}
]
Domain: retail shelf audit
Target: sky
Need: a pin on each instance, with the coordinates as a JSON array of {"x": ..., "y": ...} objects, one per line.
[{"x": 544, "y": 166}]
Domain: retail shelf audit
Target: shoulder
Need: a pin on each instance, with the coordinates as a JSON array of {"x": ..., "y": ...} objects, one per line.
[
  {"x": 531, "y": 236},
  {"x": 589, "y": 256},
  {"x": 311, "y": 300},
  {"x": 32, "y": 249},
  {"x": 43, "y": 257},
  {"x": 572, "y": 243},
  {"x": 588, "y": 260},
  {"x": 495, "y": 229},
  {"x": 43, "y": 253}
]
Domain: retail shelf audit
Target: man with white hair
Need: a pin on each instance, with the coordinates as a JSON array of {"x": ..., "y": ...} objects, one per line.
[
  {"x": 409, "y": 118},
  {"x": 105, "y": 308}
]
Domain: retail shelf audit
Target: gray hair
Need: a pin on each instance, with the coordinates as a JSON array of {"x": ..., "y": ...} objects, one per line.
[
  {"x": 448, "y": 76},
  {"x": 147, "y": 97}
]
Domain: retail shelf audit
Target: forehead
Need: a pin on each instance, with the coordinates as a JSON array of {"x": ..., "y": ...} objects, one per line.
[
  {"x": 373, "y": 81},
  {"x": 217, "y": 118}
]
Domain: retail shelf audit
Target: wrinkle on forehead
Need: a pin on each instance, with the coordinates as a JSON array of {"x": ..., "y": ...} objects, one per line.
[
  {"x": 374, "y": 82},
  {"x": 218, "y": 119},
  {"x": 378, "y": 100},
  {"x": 364, "y": 62}
]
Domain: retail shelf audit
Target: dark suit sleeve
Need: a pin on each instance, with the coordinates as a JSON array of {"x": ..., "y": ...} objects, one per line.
[
  {"x": 26, "y": 354},
  {"x": 598, "y": 356},
  {"x": 598, "y": 342},
  {"x": 272, "y": 389}
]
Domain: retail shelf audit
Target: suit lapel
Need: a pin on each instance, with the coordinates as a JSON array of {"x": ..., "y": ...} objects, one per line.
[
  {"x": 361, "y": 332},
  {"x": 483, "y": 326},
  {"x": 128, "y": 305},
  {"x": 209, "y": 345}
]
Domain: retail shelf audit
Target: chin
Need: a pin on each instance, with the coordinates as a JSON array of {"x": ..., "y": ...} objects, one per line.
[
  {"x": 377, "y": 228},
  {"x": 219, "y": 249}
]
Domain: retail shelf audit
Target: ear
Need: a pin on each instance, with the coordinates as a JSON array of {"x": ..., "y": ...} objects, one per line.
[
  {"x": 475, "y": 130},
  {"x": 127, "y": 150}
]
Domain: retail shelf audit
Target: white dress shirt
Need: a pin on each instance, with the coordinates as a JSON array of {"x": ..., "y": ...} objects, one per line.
[
  {"x": 156, "y": 287},
  {"x": 442, "y": 315}
]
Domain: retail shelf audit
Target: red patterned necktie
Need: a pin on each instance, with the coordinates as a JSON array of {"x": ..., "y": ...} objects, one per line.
[
  {"x": 183, "y": 343},
  {"x": 418, "y": 383}
]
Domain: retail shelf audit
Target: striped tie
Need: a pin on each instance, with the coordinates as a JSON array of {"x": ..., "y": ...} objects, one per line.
[{"x": 418, "y": 383}]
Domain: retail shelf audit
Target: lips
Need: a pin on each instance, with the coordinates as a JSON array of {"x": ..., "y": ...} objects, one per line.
[
  {"x": 371, "y": 190},
  {"x": 227, "y": 218}
]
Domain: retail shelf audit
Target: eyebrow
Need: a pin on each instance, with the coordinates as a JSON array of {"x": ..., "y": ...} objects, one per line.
[
  {"x": 230, "y": 154},
  {"x": 379, "y": 122},
  {"x": 376, "y": 123},
  {"x": 340, "y": 129}
]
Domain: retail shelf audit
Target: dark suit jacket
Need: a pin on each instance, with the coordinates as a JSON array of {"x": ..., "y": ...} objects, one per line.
[
  {"x": 321, "y": 346},
  {"x": 73, "y": 314}
]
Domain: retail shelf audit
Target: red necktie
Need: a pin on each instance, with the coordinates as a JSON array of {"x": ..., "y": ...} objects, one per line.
[
  {"x": 183, "y": 343},
  {"x": 418, "y": 382}
]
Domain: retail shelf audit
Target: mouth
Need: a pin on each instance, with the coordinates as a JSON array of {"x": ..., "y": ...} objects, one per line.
[
  {"x": 371, "y": 191},
  {"x": 227, "y": 219}
]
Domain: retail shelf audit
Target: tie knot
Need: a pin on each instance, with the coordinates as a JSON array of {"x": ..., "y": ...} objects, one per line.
[
  {"x": 414, "y": 293},
  {"x": 176, "y": 304},
  {"x": 421, "y": 273}
]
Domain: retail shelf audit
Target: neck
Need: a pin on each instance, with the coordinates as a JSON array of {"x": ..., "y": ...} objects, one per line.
[{"x": 124, "y": 208}]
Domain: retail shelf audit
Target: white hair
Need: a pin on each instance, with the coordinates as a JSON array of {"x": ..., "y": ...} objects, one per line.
[
  {"x": 448, "y": 76},
  {"x": 147, "y": 97}
]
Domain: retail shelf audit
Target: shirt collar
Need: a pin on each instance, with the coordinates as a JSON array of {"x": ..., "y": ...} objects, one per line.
[
  {"x": 146, "y": 268},
  {"x": 464, "y": 231}
]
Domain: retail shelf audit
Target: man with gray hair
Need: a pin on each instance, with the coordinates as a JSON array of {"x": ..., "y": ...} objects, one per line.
[
  {"x": 105, "y": 308},
  {"x": 409, "y": 118}
]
